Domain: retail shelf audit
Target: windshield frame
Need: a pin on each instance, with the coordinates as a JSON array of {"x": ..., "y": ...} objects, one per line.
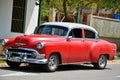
[{"x": 63, "y": 29}]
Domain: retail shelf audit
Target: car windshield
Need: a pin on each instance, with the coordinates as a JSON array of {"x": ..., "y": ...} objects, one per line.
[{"x": 52, "y": 30}]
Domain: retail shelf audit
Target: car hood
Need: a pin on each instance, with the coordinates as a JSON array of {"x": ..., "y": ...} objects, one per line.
[{"x": 37, "y": 38}]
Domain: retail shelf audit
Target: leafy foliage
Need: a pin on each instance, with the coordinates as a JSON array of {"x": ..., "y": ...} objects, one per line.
[
  {"x": 118, "y": 56},
  {"x": 70, "y": 6}
]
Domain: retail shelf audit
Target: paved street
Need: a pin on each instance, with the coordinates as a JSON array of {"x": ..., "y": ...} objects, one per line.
[{"x": 71, "y": 72}]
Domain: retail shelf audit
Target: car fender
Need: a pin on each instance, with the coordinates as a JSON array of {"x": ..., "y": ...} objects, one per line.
[
  {"x": 62, "y": 49},
  {"x": 98, "y": 49}
]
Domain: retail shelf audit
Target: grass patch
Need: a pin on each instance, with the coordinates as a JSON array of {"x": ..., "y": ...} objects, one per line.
[{"x": 2, "y": 61}]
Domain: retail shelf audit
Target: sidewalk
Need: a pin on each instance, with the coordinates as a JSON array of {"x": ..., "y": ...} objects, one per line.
[
  {"x": 3, "y": 65},
  {"x": 109, "y": 62},
  {"x": 114, "y": 62}
]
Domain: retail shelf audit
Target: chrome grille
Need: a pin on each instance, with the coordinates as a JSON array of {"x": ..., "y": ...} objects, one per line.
[
  {"x": 25, "y": 55},
  {"x": 21, "y": 53}
]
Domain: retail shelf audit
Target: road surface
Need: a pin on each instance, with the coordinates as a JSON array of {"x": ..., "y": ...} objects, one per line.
[{"x": 66, "y": 72}]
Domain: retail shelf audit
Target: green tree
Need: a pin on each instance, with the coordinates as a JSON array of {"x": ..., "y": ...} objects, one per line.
[{"x": 73, "y": 6}]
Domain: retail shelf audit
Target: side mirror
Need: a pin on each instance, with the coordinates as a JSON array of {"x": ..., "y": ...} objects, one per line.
[{"x": 69, "y": 37}]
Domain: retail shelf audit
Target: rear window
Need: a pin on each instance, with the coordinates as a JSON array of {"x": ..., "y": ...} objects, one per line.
[{"x": 89, "y": 34}]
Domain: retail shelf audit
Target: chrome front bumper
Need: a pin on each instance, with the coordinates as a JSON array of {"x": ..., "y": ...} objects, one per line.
[{"x": 24, "y": 55}]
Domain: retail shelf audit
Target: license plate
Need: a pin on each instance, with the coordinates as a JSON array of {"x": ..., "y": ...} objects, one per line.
[{"x": 14, "y": 59}]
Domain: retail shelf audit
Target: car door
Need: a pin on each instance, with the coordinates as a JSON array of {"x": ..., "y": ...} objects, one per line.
[
  {"x": 90, "y": 40},
  {"x": 78, "y": 49}
]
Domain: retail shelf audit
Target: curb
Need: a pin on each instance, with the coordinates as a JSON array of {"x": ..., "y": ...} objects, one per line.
[
  {"x": 3, "y": 65},
  {"x": 114, "y": 62}
]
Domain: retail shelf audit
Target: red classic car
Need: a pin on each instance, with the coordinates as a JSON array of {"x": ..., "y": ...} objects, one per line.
[{"x": 56, "y": 43}]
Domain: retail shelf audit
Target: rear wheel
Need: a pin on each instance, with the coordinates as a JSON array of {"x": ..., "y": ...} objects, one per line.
[
  {"x": 13, "y": 64},
  {"x": 101, "y": 63},
  {"x": 53, "y": 63}
]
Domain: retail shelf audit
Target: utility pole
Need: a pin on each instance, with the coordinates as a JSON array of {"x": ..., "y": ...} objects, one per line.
[{"x": 39, "y": 13}]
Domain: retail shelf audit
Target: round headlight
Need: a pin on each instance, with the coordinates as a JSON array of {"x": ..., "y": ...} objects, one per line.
[
  {"x": 40, "y": 45},
  {"x": 3, "y": 42}
]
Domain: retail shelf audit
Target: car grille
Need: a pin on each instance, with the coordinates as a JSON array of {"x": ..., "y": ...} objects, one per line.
[{"x": 29, "y": 53}]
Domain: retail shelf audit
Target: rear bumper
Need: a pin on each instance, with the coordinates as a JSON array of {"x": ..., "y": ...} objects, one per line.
[{"x": 24, "y": 55}]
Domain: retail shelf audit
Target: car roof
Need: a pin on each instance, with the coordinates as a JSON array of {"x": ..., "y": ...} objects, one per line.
[{"x": 70, "y": 25}]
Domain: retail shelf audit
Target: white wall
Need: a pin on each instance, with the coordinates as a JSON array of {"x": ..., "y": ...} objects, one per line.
[
  {"x": 31, "y": 17},
  {"x": 6, "y": 17}
]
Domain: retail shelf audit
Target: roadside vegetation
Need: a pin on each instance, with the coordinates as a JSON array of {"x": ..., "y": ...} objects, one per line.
[
  {"x": 118, "y": 57},
  {"x": 2, "y": 61}
]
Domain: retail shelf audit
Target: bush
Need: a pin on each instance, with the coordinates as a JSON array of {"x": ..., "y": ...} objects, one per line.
[{"x": 118, "y": 57}]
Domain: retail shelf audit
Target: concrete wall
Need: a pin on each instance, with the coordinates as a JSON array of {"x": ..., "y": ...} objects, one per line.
[
  {"x": 6, "y": 18},
  {"x": 108, "y": 29}
]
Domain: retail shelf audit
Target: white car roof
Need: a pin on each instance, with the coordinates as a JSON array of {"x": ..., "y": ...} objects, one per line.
[{"x": 71, "y": 25}]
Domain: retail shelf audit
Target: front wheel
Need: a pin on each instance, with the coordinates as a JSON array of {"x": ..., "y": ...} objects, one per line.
[
  {"x": 52, "y": 64},
  {"x": 101, "y": 63},
  {"x": 13, "y": 64}
]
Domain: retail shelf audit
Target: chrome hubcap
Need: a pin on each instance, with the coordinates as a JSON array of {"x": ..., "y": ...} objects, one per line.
[
  {"x": 52, "y": 62},
  {"x": 102, "y": 61}
]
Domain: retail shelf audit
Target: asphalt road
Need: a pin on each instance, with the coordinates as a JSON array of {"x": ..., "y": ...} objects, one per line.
[{"x": 66, "y": 72}]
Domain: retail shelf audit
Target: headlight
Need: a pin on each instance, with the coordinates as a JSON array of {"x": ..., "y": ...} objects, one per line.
[
  {"x": 3, "y": 42},
  {"x": 40, "y": 45}
]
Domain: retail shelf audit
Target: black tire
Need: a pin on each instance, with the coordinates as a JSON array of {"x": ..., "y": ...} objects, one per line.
[
  {"x": 52, "y": 64},
  {"x": 102, "y": 62},
  {"x": 13, "y": 64}
]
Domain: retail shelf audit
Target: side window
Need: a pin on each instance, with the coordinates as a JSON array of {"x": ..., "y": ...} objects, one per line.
[
  {"x": 89, "y": 34},
  {"x": 76, "y": 33}
]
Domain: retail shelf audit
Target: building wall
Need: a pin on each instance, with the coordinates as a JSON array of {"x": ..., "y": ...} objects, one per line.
[
  {"x": 6, "y": 17},
  {"x": 31, "y": 17}
]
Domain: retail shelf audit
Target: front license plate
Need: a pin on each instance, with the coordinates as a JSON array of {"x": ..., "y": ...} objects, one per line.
[{"x": 14, "y": 59}]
